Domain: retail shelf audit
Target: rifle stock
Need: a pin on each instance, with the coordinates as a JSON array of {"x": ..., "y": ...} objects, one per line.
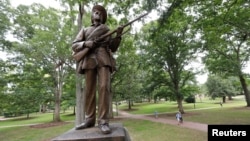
[{"x": 79, "y": 55}]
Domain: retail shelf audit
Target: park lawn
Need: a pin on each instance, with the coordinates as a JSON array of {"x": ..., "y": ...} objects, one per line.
[
  {"x": 206, "y": 111},
  {"x": 172, "y": 107},
  {"x": 142, "y": 130},
  {"x": 233, "y": 112},
  {"x": 29, "y": 133},
  {"x": 223, "y": 115},
  {"x": 35, "y": 118},
  {"x": 139, "y": 130},
  {"x": 12, "y": 129}
]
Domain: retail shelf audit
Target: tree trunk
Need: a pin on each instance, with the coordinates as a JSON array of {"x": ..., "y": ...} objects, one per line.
[
  {"x": 28, "y": 114},
  {"x": 40, "y": 108},
  {"x": 58, "y": 93},
  {"x": 224, "y": 99},
  {"x": 57, "y": 106},
  {"x": 179, "y": 98},
  {"x": 116, "y": 106},
  {"x": 111, "y": 115},
  {"x": 180, "y": 106},
  {"x": 245, "y": 89},
  {"x": 80, "y": 95},
  {"x": 43, "y": 108},
  {"x": 80, "y": 102},
  {"x": 129, "y": 104},
  {"x": 74, "y": 110}
]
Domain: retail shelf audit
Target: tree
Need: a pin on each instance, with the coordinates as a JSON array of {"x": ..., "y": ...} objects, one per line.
[
  {"x": 126, "y": 81},
  {"x": 5, "y": 23},
  {"x": 3, "y": 86},
  {"x": 218, "y": 87},
  {"x": 45, "y": 32},
  {"x": 226, "y": 38},
  {"x": 170, "y": 48}
]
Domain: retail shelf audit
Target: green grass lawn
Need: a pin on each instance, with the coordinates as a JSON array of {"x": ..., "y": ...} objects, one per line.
[
  {"x": 35, "y": 118},
  {"x": 206, "y": 111},
  {"x": 29, "y": 133},
  {"x": 172, "y": 107},
  {"x": 141, "y": 130}
]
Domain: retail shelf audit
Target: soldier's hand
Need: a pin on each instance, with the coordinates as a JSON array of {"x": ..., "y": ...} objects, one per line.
[
  {"x": 119, "y": 31},
  {"x": 77, "y": 46},
  {"x": 89, "y": 44}
]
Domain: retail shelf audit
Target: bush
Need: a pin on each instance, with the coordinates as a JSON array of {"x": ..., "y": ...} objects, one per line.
[
  {"x": 6, "y": 115},
  {"x": 190, "y": 99}
]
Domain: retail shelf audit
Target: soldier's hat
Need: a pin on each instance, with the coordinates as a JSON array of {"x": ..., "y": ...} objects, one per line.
[{"x": 104, "y": 13}]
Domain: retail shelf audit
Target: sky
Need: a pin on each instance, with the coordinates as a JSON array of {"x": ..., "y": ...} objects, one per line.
[
  {"x": 55, "y": 4},
  {"x": 46, "y": 3}
]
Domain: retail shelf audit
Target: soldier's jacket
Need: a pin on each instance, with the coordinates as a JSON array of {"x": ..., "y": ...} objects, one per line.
[{"x": 99, "y": 56}]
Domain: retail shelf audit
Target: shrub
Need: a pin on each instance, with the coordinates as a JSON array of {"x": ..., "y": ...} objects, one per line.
[{"x": 190, "y": 99}]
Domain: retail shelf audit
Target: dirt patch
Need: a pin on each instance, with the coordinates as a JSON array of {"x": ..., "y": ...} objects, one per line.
[
  {"x": 47, "y": 125},
  {"x": 129, "y": 110}
]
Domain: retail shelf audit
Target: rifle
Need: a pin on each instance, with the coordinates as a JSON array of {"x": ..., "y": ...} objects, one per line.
[{"x": 79, "y": 55}]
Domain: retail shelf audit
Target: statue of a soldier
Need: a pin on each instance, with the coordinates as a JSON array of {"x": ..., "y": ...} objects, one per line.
[{"x": 97, "y": 66}]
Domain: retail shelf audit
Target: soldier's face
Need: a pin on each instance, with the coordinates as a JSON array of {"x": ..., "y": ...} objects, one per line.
[{"x": 97, "y": 15}]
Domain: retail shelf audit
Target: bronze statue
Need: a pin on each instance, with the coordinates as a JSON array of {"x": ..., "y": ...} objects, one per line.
[{"x": 97, "y": 64}]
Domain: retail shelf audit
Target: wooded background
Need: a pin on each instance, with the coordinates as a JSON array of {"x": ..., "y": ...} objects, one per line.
[{"x": 154, "y": 60}]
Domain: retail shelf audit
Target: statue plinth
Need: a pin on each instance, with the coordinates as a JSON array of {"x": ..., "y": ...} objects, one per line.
[{"x": 119, "y": 133}]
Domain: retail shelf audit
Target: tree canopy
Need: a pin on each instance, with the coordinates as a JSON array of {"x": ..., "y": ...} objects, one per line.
[{"x": 153, "y": 62}]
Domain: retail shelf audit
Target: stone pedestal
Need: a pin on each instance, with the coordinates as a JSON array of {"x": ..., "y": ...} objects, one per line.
[{"x": 119, "y": 133}]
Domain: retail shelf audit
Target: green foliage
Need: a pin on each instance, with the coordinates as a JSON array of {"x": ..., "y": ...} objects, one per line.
[
  {"x": 219, "y": 87},
  {"x": 225, "y": 34},
  {"x": 37, "y": 68},
  {"x": 190, "y": 99},
  {"x": 27, "y": 89},
  {"x": 5, "y": 24},
  {"x": 126, "y": 80},
  {"x": 169, "y": 48}
]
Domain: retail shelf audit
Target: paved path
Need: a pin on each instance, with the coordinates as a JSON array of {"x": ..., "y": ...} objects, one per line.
[
  {"x": 186, "y": 124},
  {"x": 123, "y": 114}
]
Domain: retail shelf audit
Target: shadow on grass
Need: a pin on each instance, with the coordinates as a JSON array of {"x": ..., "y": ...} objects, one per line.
[
  {"x": 50, "y": 124},
  {"x": 20, "y": 118},
  {"x": 68, "y": 115}
]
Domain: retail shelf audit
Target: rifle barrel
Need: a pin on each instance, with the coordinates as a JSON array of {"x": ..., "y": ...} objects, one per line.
[
  {"x": 135, "y": 20},
  {"x": 112, "y": 32}
]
